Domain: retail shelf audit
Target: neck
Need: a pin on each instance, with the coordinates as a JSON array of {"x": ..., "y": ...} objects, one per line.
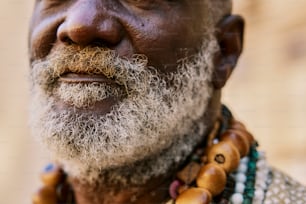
[
  {"x": 154, "y": 191},
  {"x": 145, "y": 181}
]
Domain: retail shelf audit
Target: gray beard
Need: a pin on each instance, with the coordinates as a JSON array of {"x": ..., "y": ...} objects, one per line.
[{"x": 150, "y": 131}]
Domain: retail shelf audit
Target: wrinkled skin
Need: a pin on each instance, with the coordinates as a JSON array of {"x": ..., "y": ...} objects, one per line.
[{"x": 164, "y": 30}]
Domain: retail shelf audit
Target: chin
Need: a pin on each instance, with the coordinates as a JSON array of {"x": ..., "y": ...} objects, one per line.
[{"x": 102, "y": 107}]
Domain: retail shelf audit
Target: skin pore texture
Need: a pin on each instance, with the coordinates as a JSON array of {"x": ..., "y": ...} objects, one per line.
[{"x": 123, "y": 91}]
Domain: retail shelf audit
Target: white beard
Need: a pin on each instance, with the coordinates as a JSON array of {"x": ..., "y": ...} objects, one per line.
[{"x": 156, "y": 122}]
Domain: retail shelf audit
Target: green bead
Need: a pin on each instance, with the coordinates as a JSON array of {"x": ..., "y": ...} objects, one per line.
[
  {"x": 195, "y": 158},
  {"x": 255, "y": 155},
  {"x": 251, "y": 166},
  {"x": 249, "y": 184},
  {"x": 247, "y": 201},
  {"x": 251, "y": 176},
  {"x": 250, "y": 193}
]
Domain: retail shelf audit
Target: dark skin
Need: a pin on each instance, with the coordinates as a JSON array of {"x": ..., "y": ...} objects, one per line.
[{"x": 165, "y": 31}]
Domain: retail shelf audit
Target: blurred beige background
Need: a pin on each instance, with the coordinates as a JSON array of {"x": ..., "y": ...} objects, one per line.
[{"x": 267, "y": 91}]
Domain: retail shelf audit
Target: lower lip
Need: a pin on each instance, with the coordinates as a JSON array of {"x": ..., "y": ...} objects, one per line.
[{"x": 100, "y": 107}]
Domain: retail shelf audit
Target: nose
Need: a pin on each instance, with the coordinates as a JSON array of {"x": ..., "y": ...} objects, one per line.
[{"x": 88, "y": 23}]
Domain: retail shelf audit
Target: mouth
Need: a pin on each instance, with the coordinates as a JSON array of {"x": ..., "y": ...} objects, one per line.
[
  {"x": 101, "y": 106},
  {"x": 86, "y": 78}
]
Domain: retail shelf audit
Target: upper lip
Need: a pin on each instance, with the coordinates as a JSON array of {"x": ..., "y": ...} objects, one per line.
[{"x": 85, "y": 78}]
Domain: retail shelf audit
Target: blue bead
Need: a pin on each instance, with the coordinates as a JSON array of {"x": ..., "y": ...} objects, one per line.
[{"x": 49, "y": 168}]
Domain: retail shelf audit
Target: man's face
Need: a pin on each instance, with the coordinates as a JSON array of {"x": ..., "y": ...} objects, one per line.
[{"x": 117, "y": 81}]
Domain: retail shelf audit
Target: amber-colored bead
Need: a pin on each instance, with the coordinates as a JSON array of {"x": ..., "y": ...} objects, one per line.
[
  {"x": 213, "y": 178},
  {"x": 245, "y": 134},
  {"x": 224, "y": 154},
  {"x": 194, "y": 196},
  {"x": 45, "y": 195},
  {"x": 52, "y": 178},
  {"x": 249, "y": 136},
  {"x": 237, "y": 125},
  {"x": 189, "y": 173},
  {"x": 238, "y": 140},
  {"x": 182, "y": 188}
]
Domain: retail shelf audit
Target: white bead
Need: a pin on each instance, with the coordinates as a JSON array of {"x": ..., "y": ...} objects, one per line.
[
  {"x": 261, "y": 184},
  {"x": 261, "y": 164},
  {"x": 266, "y": 171},
  {"x": 260, "y": 176},
  {"x": 240, "y": 177},
  {"x": 245, "y": 160},
  {"x": 242, "y": 168},
  {"x": 237, "y": 198},
  {"x": 261, "y": 154},
  {"x": 259, "y": 194},
  {"x": 239, "y": 188}
]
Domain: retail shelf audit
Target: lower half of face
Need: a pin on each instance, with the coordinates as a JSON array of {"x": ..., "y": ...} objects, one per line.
[{"x": 146, "y": 112}]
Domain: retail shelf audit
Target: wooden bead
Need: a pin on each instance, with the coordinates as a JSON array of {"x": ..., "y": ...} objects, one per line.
[
  {"x": 182, "y": 188},
  {"x": 249, "y": 136},
  {"x": 238, "y": 140},
  {"x": 245, "y": 134},
  {"x": 237, "y": 125},
  {"x": 189, "y": 173},
  {"x": 213, "y": 178},
  {"x": 46, "y": 195},
  {"x": 224, "y": 154},
  {"x": 194, "y": 196},
  {"x": 52, "y": 178}
]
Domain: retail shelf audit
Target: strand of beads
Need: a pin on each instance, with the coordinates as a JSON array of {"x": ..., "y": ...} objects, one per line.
[
  {"x": 221, "y": 159},
  {"x": 229, "y": 190},
  {"x": 251, "y": 176},
  {"x": 245, "y": 179},
  {"x": 240, "y": 180},
  {"x": 55, "y": 189},
  {"x": 262, "y": 174},
  {"x": 51, "y": 177},
  {"x": 251, "y": 179}
]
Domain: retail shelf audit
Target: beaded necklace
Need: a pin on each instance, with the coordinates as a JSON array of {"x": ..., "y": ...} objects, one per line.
[{"x": 214, "y": 174}]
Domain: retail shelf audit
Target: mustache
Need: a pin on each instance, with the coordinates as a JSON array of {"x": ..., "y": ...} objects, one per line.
[{"x": 89, "y": 60}]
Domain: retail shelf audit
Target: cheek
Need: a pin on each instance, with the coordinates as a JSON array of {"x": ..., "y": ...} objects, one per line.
[
  {"x": 43, "y": 34},
  {"x": 165, "y": 42}
]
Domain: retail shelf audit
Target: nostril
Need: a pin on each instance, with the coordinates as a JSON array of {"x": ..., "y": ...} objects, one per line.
[
  {"x": 99, "y": 43},
  {"x": 67, "y": 40},
  {"x": 62, "y": 34}
]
